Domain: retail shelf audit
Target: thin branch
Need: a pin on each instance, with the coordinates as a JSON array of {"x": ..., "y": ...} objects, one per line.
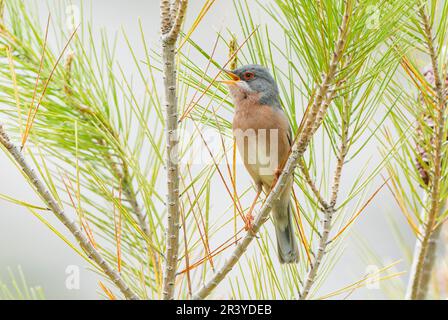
[
  {"x": 319, "y": 119},
  {"x": 343, "y": 149},
  {"x": 165, "y": 14},
  {"x": 177, "y": 23},
  {"x": 313, "y": 120},
  {"x": 31, "y": 118},
  {"x": 123, "y": 176},
  {"x": 41, "y": 63},
  {"x": 170, "y": 28},
  {"x": 424, "y": 254},
  {"x": 429, "y": 259},
  {"x": 330, "y": 210},
  {"x": 120, "y": 171},
  {"x": 53, "y": 205},
  {"x": 306, "y": 175}
]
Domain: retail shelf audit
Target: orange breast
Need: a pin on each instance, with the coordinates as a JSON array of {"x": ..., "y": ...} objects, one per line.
[{"x": 262, "y": 138}]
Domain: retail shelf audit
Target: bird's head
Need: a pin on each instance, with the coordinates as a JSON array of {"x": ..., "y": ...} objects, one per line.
[{"x": 254, "y": 82}]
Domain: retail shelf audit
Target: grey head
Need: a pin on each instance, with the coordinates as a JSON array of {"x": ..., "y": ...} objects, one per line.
[{"x": 259, "y": 80}]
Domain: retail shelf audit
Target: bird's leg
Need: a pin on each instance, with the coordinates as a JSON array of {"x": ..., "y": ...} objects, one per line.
[{"x": 249, "y": 217}]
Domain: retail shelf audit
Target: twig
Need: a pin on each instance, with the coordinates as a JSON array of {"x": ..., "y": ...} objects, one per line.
[
  {"x": 53, "y": 205},
  {"x": 424, "y": 257},
  {"x": 170, "y": 28},
  {"x": 120, "y": 171},
  {"x": 342, "y": 154},
  {"x": 124, "y": 176},
  {"x": 329, "y": 210},
  {"x": 311, "y": 124},
  {"x": 306, "y": 175},
  {"x": 429, "y": 260}
]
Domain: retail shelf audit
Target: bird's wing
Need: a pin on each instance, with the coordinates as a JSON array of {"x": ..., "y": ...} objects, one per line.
[
  {"x": 289, "y": 133},
  {"x": 290, "y": 136}
]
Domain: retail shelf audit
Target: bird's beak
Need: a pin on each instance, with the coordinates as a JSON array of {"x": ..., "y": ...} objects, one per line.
[{"x": 234, "y": 80}]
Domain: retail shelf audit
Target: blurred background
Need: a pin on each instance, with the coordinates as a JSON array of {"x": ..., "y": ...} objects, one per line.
[{"x": 46, "y": 261}]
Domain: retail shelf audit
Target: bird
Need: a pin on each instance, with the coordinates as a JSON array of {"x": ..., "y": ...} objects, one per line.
[{"x": 264, "y": 138}]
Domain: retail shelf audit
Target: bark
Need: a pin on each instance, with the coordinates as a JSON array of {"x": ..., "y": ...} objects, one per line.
[{"x": 172, "y": 16}]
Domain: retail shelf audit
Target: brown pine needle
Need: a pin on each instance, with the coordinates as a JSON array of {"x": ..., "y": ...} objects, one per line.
[
  {"x": 106, "y": 290},
  {"x": 37, "y": 80},
  {"x": 192, "y": 103},
  {"x": 187, "y": 257},
  {"x": 208, "y": 4},
  {"x": 203, "y": 234},
  {"x": 215, "y": 45},
  {"x": 419, "y": 82},
  {"x": 84, "y": 223},
  {"x": 16, "y": 88},
  {"x": 118, "y": 228},
  {"x": 30, "y": 121},
  {"x": 89, "y": 232},
  {"x": 356, "y": 215},
  {"x": 229, "y": 170},
  {"x": 298, "y": 220},
  {"x": 235, "y": 203},
  {"x": 215, "y": 252},
  {"x": 401, "y": 203},
  {"x": 416, "y": 76},
  {"x": 305, "y": 115}
]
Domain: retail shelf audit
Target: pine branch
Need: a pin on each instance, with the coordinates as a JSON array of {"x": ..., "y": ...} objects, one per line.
[
  {"x": 424, "y": 258},
  {"x": 170, "y": 28},
  {"x": 53, "y": 205},
  {"x": 429, "y": 259},
  {"x": 314, "y": 120},
  {"x": 120, "y": 171},
  {"x": 311, "y": 184},
  {"x": 330, "y": 209}
]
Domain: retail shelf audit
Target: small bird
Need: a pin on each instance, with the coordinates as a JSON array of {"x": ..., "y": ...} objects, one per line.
[{"x": 264, "y": 138}]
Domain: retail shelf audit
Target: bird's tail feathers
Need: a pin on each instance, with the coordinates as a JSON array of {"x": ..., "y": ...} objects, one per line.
[{"x": 286, "y": 240}]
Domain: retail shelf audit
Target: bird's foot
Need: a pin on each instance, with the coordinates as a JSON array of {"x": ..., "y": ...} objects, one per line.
[
  {"x": 249, "y": 222},
  {"x": 277, "y": 174}
]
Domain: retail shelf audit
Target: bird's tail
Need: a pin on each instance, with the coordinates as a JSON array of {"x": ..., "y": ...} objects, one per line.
[{"x": 286, "y": 240}]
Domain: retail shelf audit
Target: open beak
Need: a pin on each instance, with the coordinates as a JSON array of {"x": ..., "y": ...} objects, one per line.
[{"x": 234, "y": 77}]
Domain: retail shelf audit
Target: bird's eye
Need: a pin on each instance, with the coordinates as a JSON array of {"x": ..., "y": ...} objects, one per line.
[{"x": 248, "y": 75}]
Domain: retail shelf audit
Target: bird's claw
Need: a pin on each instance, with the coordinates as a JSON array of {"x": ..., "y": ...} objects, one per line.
[
  {"x": 249, "y": 222},
  {"x": 277, "y": 174}
]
